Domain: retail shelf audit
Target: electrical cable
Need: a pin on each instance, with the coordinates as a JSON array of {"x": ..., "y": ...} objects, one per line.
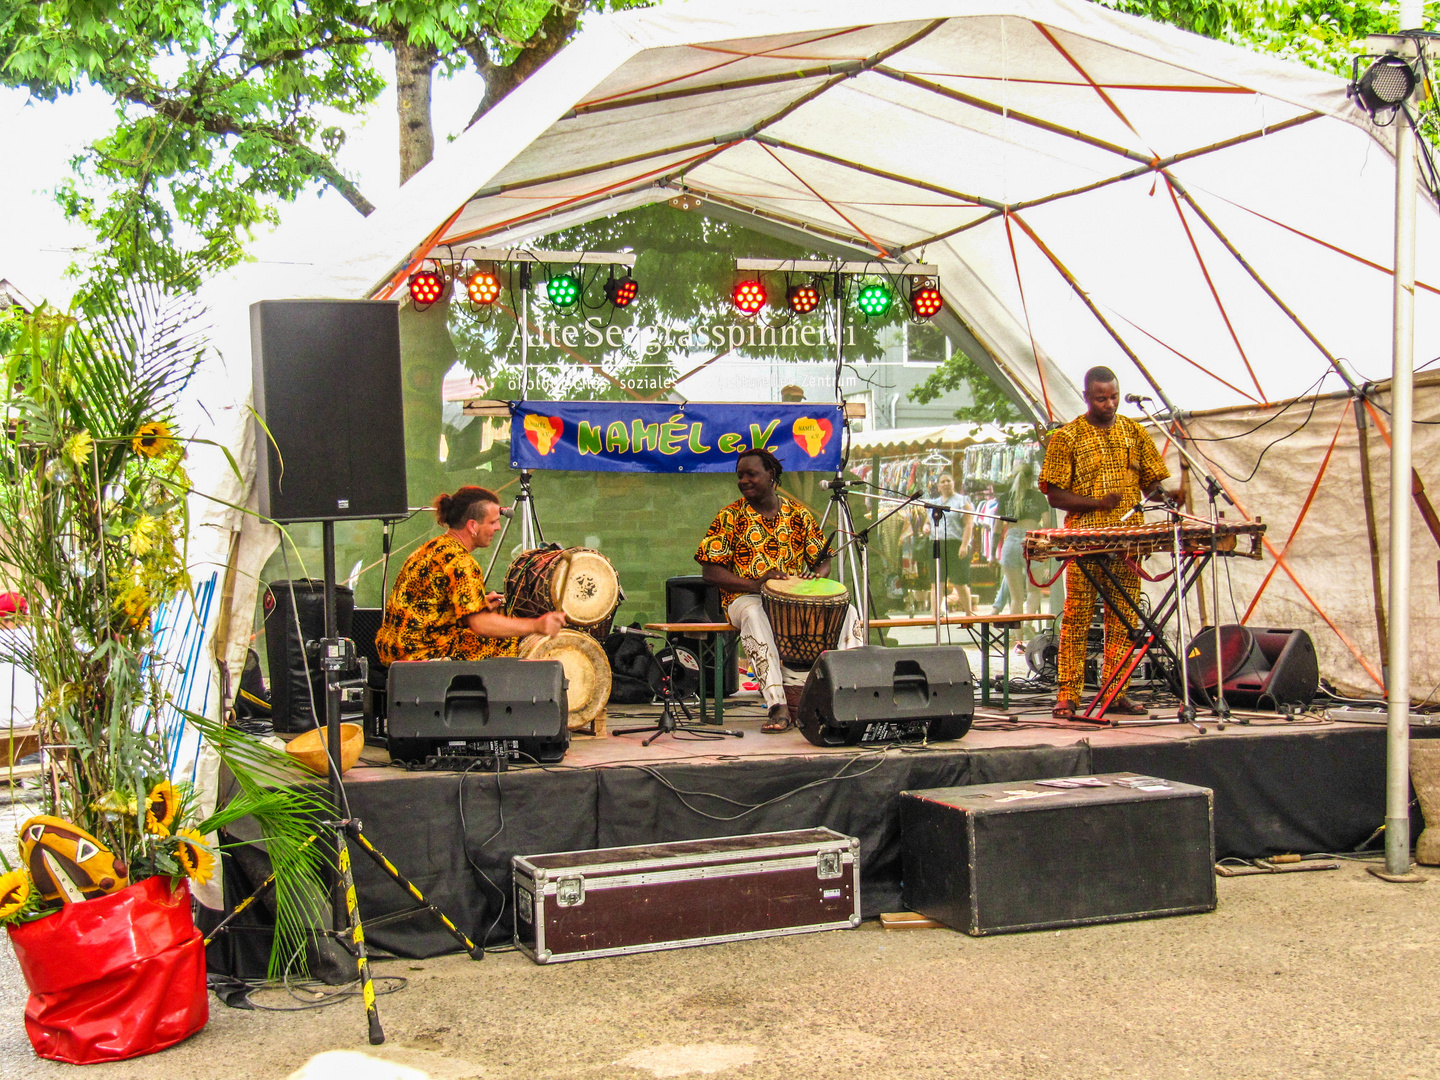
[{"x": 464, "y": 831}]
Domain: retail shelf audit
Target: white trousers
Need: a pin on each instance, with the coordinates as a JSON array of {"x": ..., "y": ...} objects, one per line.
[{"x": 747, "y": 614}]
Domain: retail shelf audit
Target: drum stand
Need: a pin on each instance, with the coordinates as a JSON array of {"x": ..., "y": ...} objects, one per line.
[
  {"x": 531, "y": 535},
  {"x": 669, "y": 722}
]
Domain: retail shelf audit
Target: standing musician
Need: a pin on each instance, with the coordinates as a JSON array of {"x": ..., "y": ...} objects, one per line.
[
  {"x": 1096, "y": 469},
  {"x": 439, "y": 609},
  {"x": 764, "y": 536}
]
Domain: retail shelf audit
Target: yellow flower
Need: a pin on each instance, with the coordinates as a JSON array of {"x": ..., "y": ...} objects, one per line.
[
  {"x": 198, "y": 862},
  {"x": 161, "y": 806},
  {"x": 117, "y": 803},
  {"x": 78, "y": 447},
  {"x": 152, "y": 440},
  {"x": 14, "y": 891},
  {"x": 143, "y": 536},
  {"x": 135, "y": 603}
]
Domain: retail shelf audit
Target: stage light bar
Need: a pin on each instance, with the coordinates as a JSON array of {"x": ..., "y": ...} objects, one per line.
[
  {"x": 802, "y": 299},
  {"x": 483, "y": 287},
  {"x": 749, "y": 297},
  {"x": 926, "y": 301},
  {"x": 874, "y": 300},
  {"x": 426, "y": 286},
  {"x": 622, "y": 291},
  {"x": 563, "y": 290}
]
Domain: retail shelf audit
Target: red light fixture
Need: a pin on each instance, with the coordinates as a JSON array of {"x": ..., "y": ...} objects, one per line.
[
  {"x": 926, "y": 300},
  {"x": 749, "y": 297},
  {"x": 622, "y": 291},
  {"x": 483, "y": 287},
  {"x": 802, "y": 299},
  {"x": 427, "y": 286}
]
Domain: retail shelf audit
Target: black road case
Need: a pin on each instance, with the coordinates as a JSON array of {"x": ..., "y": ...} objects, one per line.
[{"x": 995, "y": 858}]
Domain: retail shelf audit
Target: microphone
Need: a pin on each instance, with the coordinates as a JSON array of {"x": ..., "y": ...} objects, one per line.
[
  {"x": 636, "y": 631},
  {"x": 1136, "y": 399},
  {"x": 837, "y": 484},
  {"x": 507, "y": 512}
]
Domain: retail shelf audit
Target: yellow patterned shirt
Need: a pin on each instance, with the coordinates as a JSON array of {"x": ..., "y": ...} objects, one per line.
[
  {"x": 742, "y": 541},
  {"x": 1087, "y": 460},
  {"x": 437, "y": 587}
]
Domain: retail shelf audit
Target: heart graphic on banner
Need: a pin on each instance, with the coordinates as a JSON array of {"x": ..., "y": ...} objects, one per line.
[
  {"x": 811, "y": 434},
  {"x": 543, "y": 432}
]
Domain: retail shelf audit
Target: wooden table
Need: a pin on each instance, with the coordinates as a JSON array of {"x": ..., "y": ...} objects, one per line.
[
  {"x": 700, "y": 631},
  {"x": 703, "y": 631},
  {"x": 984, "y": 622}
]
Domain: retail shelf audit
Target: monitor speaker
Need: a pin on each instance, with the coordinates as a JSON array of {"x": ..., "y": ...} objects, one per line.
[
  {"x": 467, "y": 709},
  {"x": 327, "y": 390},
  {"x": 876, "y": 694},
  {"x": 693, "y": 599},
  {"x": 1262, "y": 668}
]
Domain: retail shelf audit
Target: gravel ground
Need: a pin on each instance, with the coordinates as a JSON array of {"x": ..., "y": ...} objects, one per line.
[{"x": 1302, "y": 975}]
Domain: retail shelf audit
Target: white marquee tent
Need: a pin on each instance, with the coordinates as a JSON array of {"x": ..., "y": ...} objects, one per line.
[{"x": 1213, "y": 224}]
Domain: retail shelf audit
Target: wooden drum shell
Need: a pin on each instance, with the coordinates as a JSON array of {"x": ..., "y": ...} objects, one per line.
[{"x": 804, "y": 626}]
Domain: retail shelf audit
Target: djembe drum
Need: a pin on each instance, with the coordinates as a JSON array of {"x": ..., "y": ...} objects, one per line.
[
  {"x": 806, "y": 616},
  {"x": 587, "y": 673},
  {"x": 577, "y": 581}
]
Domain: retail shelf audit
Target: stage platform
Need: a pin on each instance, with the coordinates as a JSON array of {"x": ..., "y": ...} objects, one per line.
[{"x": 1308, "y": 785}]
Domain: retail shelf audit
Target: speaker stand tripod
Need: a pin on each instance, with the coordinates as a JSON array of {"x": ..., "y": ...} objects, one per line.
[{"x": 337, "y": 656}]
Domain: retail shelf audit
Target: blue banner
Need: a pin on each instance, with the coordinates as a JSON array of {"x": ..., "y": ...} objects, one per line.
[{"x": 617, "y": 436}]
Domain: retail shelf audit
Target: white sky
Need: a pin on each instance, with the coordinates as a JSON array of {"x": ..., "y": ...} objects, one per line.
[{"x": 36, "y": 242}]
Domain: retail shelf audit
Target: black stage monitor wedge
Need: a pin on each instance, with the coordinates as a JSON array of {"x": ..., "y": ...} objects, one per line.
[
  {"x": 327, "y": 388},
  {"x": 462, "y": 708},
  {"x": 875, "y": 694},
  {"x": 1263, "y": 669}
]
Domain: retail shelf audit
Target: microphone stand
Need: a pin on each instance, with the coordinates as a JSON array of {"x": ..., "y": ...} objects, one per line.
[
  {"x": 1213, "y": 491},
  {"x": 936, "y": 510},
  {"x": 530, "y": 534}
]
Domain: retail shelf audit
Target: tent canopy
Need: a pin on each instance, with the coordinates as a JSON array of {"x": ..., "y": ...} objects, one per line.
[{"x": 1094, "y": 188}]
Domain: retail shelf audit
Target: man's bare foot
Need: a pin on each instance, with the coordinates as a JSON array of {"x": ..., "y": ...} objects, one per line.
[{"x": 777, "y": 720}]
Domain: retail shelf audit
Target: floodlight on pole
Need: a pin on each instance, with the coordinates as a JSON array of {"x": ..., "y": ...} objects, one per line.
[{"x": 1384, "y": 86}]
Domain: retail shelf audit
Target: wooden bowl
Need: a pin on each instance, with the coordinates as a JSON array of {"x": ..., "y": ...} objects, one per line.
[{"x": 308, "y": 748}]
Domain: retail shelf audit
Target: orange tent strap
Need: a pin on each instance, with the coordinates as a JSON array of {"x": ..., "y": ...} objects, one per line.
[
  {"x": 840, "y": 213},
  {"x": 1088, "y": 80},
  {"x": 421, "y": 254}
]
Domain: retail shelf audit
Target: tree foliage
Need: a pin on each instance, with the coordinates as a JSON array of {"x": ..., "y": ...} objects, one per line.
[{"x": 226, "y": 109}]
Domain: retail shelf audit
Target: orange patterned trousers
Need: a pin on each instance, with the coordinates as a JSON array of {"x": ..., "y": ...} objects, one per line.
[{"x": 1075, "y": 628}]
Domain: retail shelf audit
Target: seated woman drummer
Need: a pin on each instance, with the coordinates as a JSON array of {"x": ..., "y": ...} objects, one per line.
[
  {"x": 439, "y": 609},
  {"x": 765, "y": 536}
]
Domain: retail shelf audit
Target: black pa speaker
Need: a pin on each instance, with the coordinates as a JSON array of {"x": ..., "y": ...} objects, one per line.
[
  {"x": 295, "y": 618},
  {"x": 477, "y": 708},
  {"x": 693, "y": 599},
  {"x": 875, "y": 694},
  {"x": 1262, "y": 668},
  {"x": 327, "y": 390}
]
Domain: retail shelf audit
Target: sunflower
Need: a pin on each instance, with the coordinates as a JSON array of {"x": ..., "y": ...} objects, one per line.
[
  {"x": 161, "y": 806},
  {"x": 152, "y": 440},
  {"x": 78, "y": 447},
  {"x": 198, "y": 862},
  {"x": 14, "y": 891},
  {"x": 135, "y": 603}
]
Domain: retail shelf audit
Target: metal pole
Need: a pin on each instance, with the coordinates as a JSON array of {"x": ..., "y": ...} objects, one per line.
[
  {"x": 1397, "y": 759},
  {"x": 524, "y": 329}
]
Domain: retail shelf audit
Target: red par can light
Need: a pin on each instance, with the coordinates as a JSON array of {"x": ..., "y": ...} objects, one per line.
[
  {"x": 749, "y": 297},
  {"x": 621, "y": 291},
  {"x": 926, "y": 301},
  {"x": 427, "y": 286}
]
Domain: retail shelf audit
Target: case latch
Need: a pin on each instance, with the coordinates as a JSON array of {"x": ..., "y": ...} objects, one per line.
[
  {"x": 570, "y": 891},
  {"x": 828, "y": 864}
]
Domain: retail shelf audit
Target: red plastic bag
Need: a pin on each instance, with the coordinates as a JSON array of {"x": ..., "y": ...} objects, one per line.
[{"x": 114, "y": 978}]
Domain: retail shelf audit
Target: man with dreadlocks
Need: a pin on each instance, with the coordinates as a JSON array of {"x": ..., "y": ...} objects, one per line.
[{"x": 762, "y": 536}]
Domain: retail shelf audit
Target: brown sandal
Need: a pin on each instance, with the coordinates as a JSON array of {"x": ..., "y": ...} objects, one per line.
[
  {"x": 1064, "y": 709},
  {"x": 776, "y": 726},
  {"x": 1123, "y": 706}
]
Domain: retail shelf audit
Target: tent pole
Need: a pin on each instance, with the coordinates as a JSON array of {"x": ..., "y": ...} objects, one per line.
[{"x": 1397, "y": 758}]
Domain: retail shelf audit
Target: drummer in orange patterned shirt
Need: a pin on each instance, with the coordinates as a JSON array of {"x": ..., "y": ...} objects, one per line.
[
  {"x": 761, "y": 537},
  {"x": 439, "y": 609}
]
